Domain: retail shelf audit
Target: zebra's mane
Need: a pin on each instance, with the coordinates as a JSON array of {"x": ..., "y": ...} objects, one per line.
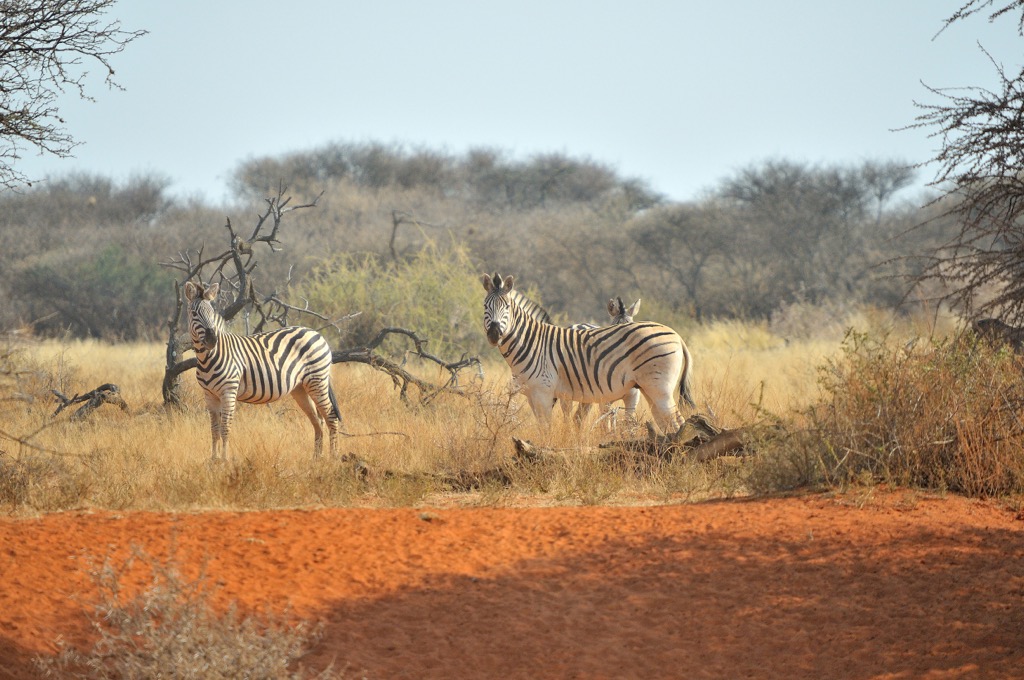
[{"x": 533, "y": 309}]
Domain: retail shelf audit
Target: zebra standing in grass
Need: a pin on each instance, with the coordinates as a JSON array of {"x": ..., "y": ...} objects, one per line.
[
  {"x": 592, "y": 365},
  {"x": 258, "y": 369},
  {"x": 619, "y": 314}
]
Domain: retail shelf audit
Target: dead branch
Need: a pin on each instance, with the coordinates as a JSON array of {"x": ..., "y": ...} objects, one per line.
[
  {"x": 707, "y": 443},
  {"x": 108, "y": 393},
  {"x": 402, "y": 378},
  {"x": 458, "y": 481},
  {"x": 233, "y": 269},
  {"x": 398, "y": 218}
]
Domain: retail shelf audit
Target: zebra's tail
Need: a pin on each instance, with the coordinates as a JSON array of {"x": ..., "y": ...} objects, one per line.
[
  {"x": 686, "y": 384},
  {"x": 336, "y": 412}
]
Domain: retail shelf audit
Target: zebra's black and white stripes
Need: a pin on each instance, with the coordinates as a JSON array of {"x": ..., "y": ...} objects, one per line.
[
  {"x": 257, "y": 369},
  {"x": 619, "y": 314},
  {"x": 591, "y": 365}
]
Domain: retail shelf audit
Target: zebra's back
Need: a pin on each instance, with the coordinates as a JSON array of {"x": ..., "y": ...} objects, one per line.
[
  {"x": 595, "y": 365},
  {"x": 269, "y": 365}
]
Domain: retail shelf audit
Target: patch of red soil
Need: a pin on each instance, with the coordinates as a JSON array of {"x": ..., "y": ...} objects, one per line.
[{"x": 810, "y": 587}]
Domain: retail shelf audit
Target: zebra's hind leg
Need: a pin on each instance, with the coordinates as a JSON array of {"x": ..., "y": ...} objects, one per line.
[
  {"x": 582, "y": 411},
  {"x": 330, "y": 412},
  {"x": 308, "y": 406},
  {"x": 666, "y": 412},
  {"x": 630, "y": 402}
]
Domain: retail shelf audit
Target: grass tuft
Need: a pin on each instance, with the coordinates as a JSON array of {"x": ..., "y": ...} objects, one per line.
[{"x": 172, "y": 630}]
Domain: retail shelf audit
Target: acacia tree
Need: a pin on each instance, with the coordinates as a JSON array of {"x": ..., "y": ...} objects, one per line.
[
  {"x": 47, "y": 48},
  {"x": 980, "y": 172}
]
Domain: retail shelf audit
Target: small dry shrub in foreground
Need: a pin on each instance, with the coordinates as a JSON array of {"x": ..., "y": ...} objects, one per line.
[
  {"x": 943, "y": 415},
  {"x": 170, "y": 630}
]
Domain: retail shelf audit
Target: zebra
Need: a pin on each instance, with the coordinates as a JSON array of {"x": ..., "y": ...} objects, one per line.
[
  {"x": 258, "y": 369},
  {"x": 591, "y": 365},
  {"x": 619, "y": 314}
]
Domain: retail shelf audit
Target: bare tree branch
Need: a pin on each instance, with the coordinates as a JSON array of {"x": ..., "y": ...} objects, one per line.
[
  {"x": 104, "y": 394},
  {"x": 972, "y": 7},
  {"x": 47, "y": 48},
  {"x": 402, "y": 378},
  {"x": 979, "y": 269}
]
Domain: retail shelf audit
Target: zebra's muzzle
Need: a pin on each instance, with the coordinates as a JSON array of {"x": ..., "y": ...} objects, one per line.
[
  {"x": 209, "y": 338},
  {"x": 493, "y": 333}
]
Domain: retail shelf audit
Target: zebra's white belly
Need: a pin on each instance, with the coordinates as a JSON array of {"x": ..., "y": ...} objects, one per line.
[
  {"x": 546, "y": 379},
  {"x": 592, "y": 397}
]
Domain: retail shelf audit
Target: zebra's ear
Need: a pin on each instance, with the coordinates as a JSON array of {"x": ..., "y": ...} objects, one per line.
[
  {"x": 509, "y": 282},
  {"x": 613, "y": 308},
  {"x": 211, "y": 291},
  {"x": 486, "y": 280},
  {"x": 191, "y": 290},
  {"x": 634, "y": 308}
]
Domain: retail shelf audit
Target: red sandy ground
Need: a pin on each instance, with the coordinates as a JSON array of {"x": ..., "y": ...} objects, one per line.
[{"x": 809, "y": 587}]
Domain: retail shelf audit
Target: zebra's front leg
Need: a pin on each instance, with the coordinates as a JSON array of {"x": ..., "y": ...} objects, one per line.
[
  {"x": 542, "y": 403},
  {"x": 213, "y": 406},
  {"x": 227, "y": 413}
]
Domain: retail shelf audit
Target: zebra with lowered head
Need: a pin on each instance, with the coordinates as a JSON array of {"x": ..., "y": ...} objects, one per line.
[
  {"x": 590, "y": 365},
  {"x": 258, "y": 369}
]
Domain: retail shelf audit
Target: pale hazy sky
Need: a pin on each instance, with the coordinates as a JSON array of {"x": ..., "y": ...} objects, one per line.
[{"x": 678, "y": 93}]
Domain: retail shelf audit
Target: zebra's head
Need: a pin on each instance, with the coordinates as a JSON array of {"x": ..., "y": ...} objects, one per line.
[
  {"x": 620, "y": 313},
  {"x": 497, "y": 306},
  {"x": 204, "y": 323}
]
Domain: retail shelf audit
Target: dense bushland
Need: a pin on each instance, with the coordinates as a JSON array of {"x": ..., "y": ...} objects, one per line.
[{"x": 82, "y": 253}]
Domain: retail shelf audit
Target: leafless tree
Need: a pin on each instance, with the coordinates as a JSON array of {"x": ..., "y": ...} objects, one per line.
[
  {"x": 265, "y": 308},
  {"x": 980, "y": 268},
  {"x": 233, "y": 269},
  {"x": 47, "y": 48}
]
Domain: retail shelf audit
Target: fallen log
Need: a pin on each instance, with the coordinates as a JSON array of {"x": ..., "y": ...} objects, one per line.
[
  {"x": 459, "y": 480},
  {"x": 107, "y": 393},
  {"x": 709, "y": 442}
]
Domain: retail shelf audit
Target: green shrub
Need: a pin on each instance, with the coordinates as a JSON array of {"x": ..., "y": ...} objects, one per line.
[{"x": 436, "y": 293}]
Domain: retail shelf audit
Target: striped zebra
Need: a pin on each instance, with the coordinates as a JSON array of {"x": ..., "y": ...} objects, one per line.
[
  {"x": 258, "y": 369},
  {"x": 619, "y": 314},
  {"x": 591, "y": 365}
]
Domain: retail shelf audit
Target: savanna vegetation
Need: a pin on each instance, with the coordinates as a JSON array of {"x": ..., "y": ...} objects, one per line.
[
  {"x": 823, "y": 305},
  {"x": 763, "y": 277}
]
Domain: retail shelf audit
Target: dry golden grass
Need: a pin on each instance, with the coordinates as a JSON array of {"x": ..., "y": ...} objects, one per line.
[{"x": 152, "y": 458}]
